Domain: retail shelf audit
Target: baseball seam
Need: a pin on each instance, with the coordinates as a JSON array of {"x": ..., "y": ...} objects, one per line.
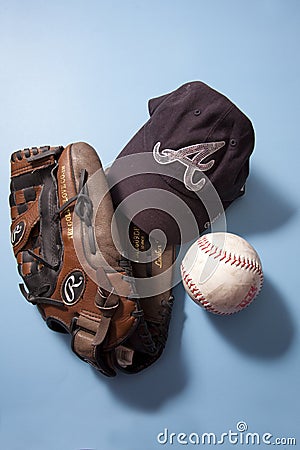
[
  {"x": 227, "y": 257},
  {"x": 197, "y": 294}
]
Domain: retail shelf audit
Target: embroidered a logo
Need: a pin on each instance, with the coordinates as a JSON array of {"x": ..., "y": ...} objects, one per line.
[
  {"x": 17, "y": 233},
  {"x": 192, "y": 157},
  {"x": 72, "y": 287}
]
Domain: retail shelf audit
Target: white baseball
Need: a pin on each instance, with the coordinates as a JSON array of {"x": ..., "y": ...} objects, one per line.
[{"x": 222, "y": 272}]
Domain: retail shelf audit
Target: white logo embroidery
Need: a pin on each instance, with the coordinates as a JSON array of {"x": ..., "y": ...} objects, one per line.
[
  {"x": 69, "y": 288},
  {"x": 194, "y": 164},
  {"x": 17, "y": 233}
]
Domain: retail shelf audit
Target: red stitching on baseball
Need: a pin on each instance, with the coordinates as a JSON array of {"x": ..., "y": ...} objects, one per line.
[
  {"x": 238, "y": 261},
  {"x": 198, "y": 294},
  {"x": 214, "y": 251},
  {"x": 246, "y": 264},
  {"x": 224, "y": 256},
  {"x": 218, "y": 255}
]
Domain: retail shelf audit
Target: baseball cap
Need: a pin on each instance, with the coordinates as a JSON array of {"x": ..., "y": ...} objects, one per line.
[{"x": 191, "y": 156}]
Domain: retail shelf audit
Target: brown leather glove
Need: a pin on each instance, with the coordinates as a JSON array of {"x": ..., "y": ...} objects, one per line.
[{"x": 63, "y": 241}]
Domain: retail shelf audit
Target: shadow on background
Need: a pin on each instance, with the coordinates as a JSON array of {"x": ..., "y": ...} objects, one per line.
[
  {"x": 261, "y": 209},
  {"x": 264, "y": 330},
  {"x": 151, "y": 388}
]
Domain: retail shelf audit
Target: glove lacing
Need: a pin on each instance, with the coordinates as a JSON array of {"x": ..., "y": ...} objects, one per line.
[{"x": 84, "y": 210}]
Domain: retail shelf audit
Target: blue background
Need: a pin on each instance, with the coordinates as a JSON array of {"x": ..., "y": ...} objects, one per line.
[{"x": 84, "y": 70}]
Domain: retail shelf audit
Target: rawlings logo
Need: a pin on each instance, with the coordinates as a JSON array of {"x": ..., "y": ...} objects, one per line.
[
  {"x": 17, "y": 233},
  {"x": 73, "y": 287},
  {"x": 194, "y": 164}
]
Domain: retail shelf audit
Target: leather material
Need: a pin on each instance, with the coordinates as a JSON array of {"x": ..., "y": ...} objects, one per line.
[
  {"x": 157, "y": 308},
  {"x": 44, "y": 253},
  {"x": 29, "y": 218},
  {"x": 67, "y": 250}
]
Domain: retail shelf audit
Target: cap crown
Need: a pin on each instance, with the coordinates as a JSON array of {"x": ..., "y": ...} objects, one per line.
[{"x": 196, "y": 114}]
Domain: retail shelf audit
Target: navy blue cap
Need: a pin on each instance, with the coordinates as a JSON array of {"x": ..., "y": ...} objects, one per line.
[{"x": 195, "y": 137}]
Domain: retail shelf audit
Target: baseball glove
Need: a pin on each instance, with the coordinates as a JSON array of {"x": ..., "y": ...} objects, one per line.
[{"x": 72, "y": 268}]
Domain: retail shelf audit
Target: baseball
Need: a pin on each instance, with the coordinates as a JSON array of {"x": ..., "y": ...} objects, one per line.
[{"x": 222, "y": 272}]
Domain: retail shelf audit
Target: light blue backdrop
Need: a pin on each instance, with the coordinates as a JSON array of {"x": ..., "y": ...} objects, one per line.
[{"x": 84, "y": 70}]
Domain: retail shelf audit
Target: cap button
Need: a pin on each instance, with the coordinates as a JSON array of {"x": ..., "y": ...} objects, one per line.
[{"x": 197, "y": 112}]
